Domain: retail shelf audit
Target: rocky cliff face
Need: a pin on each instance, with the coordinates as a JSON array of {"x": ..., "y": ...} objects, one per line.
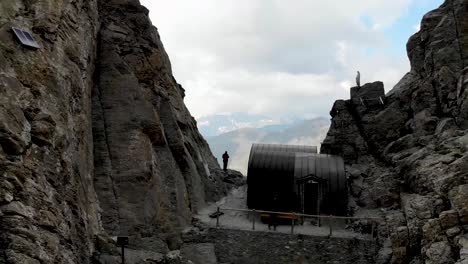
[
  {"x": 407, "y": 150},
  {"x": 95, "y": 137}
]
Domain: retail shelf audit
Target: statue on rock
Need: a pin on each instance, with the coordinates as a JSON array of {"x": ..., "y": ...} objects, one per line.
[{"x": 358, "y": 79}]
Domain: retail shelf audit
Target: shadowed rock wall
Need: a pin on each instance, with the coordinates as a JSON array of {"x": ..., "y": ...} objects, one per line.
[
  {"x": 409, "y": 153},
  {"x": 94, "y": 135},
  {"x": 153, "y": 168}
]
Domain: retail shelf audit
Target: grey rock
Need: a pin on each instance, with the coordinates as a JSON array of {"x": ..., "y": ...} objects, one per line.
[
  {"x": 463, "y": 244},
  {"x": 417, "y": 139},
  {"x": 142, "y": 257},
  {"x": 458, "y": 197},
  {"x": 385, "y": 253},
  {"x": 15, "y": 130},
  {"x": 19, "y": 209},
  {"x": 369, "y": 94},
  {"x": 423, "y": 123},
  {"x": 452, "y": 232},
  {"x": 448, "y": 219},
  {"x": 95, "y": 138},
  {"x": 249, "y": 247},
  {"x": 444, "y": 125},
  {"x": 440, "y": 253},
  {"x": 432, "y": 230},
  {"x": 203, "y": 253}
]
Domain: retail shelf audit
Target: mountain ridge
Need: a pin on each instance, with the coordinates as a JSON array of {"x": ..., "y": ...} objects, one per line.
[{"x": 238, "y": 142}]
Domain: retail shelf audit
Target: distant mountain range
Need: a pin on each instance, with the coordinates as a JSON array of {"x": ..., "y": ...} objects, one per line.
[
  {"x": 214, "y": 125},
  {"x": 239, "y": 141}
]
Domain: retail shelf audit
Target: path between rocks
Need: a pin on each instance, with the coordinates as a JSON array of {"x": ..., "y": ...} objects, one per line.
[{"x": 236, "y": 199}]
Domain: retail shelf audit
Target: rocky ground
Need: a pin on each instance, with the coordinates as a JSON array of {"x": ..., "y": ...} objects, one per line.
[
  {"x": 206, "y": 245},
  {"x": 250, "y": 247}
]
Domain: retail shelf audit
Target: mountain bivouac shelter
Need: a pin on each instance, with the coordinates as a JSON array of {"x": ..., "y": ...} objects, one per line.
[{"x": 289, "y": 178}]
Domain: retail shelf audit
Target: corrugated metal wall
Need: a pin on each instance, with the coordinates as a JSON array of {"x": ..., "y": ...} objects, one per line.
[{"x": 274, "y": 170}]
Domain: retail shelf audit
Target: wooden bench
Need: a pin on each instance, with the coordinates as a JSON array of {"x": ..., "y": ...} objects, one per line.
[
  {"x": 280, "y": 216},
  {"x": 272, "y": 219}
]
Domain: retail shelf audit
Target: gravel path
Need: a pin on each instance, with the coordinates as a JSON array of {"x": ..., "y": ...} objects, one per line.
[{"x": 241, "y": 221}]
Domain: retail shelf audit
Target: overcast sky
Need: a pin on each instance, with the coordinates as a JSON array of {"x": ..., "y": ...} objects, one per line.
[{"x": 283, "y": 58}]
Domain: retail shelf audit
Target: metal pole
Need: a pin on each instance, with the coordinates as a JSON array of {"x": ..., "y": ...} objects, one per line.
[
  {"x": 330, "y": 224},
  {"x": 253, "y": 219},
  {"x": 123, "y": 254},
  {"x": 217, "y": 218}
]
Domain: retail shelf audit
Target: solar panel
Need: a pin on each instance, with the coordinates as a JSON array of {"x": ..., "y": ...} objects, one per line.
[{"x": 26, "y": 38}]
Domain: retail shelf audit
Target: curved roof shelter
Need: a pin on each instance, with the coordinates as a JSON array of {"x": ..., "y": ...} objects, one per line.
[
  {"x": 272, "y": 179},
  {"x": 329, "y": 168},
  {"x": 259, "y": 147},
  {"x": 278, "y": 177}
]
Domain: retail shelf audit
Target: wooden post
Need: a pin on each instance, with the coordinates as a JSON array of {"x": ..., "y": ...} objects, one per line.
[
  {"x": 253, "y": 219},
  {"x": 292, "y": 223},
  {"x": 217, "y": 217},
  {"x": 372, "y": 230},
  {"x": 319, "y": 199},
  {"x": 122, "y": 241},
  {"x": 330, "y": 225},
  {"x": 303, "y": 200},
  {"x": 303, "y": 203},
  {"x": 123, "y": 254}
]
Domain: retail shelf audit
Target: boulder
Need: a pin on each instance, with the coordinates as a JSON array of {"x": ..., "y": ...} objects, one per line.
[
  {"x": 458, "y": 197},
  {"x": 448, "y": 219},
  {"x": 368, "y": 92},
  {"x": 439, "y": 253}
]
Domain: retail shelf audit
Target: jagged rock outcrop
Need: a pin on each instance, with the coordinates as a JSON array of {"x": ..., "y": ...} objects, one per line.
[
  {"x": 407, "y": 150},
  {"x": 153, "y": 168},
  {"x": 95, "y": 139}
]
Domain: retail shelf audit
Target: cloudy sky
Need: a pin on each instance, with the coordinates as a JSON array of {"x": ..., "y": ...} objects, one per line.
[{"x": 283, "y": 58}]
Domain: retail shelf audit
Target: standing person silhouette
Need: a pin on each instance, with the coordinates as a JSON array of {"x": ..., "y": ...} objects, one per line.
[{"x": 225, "y": 160}]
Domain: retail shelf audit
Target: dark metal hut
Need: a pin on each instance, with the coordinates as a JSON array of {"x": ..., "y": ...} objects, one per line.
[{"x": 295, "y": 178}]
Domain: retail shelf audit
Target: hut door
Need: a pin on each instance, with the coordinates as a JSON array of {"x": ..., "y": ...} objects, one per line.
[{"x": 311, "y": 197}]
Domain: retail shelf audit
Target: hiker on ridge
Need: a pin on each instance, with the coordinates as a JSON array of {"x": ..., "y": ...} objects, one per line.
[{"x": 225, "y": 160}]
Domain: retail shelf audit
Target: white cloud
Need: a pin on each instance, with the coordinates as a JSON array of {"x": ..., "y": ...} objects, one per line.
[
  {"x": 275, "y": 57},
  {"x": 341, "y": 53},
  {"x": 203, "y": 123}
]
